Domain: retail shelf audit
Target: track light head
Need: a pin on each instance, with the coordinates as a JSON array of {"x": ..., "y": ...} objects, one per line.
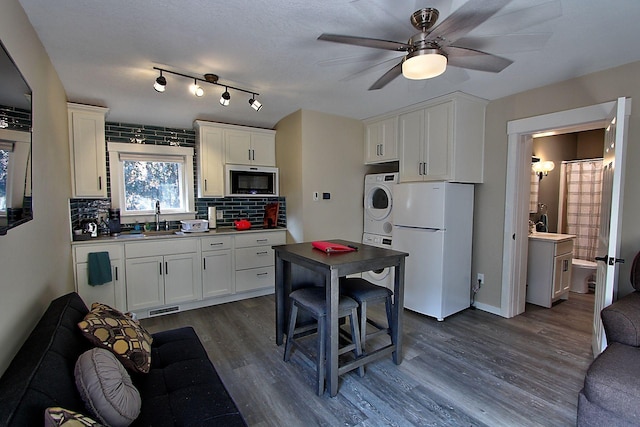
[
  {"x": 255, "y": 104},
  {"x": 196, "y": 89},
  {"x": 225, "y": 99},
  {"x": 160, "y": 84}
]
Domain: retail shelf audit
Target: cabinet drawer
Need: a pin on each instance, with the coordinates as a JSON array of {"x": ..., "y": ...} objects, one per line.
[
  {"x": 215, "y": 243},
  {"x": 564, "y": 247},
  {"x": 257, "y": 256},
  {"x": 255, "y": 278},
  {"x": 115, "y": 251},
  {"x": 260, "y": 239},
  {"x": 166, "y": 247}
]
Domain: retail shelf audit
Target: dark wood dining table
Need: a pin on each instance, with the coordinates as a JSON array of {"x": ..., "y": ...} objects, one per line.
[{"x": 300, "y": 264}]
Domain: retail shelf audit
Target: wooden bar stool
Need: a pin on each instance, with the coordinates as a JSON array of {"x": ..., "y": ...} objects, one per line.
[
  {"x": 313, "y": 300},
  {"x": 365, "y": 292}
]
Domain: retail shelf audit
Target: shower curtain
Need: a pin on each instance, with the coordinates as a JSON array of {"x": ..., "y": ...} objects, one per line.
[{"x": 583, "y": 189}]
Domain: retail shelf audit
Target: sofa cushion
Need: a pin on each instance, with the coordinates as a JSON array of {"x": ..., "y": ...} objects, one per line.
[
  {"x": 621, "y": 320},
  {"x": 182, "y": 378},
  {"x": 106, "y": 388},
  {"x": 41, "y": 373},
  {"x": 109, "y": 328},
  {"x": 59, "y": 417},
  {"x": 612, "y": 381}
]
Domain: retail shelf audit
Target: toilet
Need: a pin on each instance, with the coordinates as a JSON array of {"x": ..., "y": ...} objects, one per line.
[{"x": 583, "y": 272}]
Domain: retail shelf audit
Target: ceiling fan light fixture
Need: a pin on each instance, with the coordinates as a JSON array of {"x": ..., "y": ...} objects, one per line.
[
  {"x": 424, "y": 64},
  {"x": 225, "y": 99},
  {"x": 160, "y": 84}
]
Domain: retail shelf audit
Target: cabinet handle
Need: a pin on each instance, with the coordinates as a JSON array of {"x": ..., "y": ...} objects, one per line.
[
  {"x": 204, "y": 263},
  {"x": 262, "y": 274},
  {"x": 381, "y": 150},
  {"x": 215, "y": 244},
  {"x": 565, "y": 265},
  {"x": 166, "y": 268},
  {"x": 205, "y": 185},
  {"x": 420, "y": 165},
  {"x": 249, "y": 152},
  {"x": 262, "y": 240},
  {"x": 262, "y": 253},
  {"x": 100, "y": 183},
  {"x": 116, "y": 271},
  {"x": 160, "y": 265},
  {"x": 253, "y": 154}
]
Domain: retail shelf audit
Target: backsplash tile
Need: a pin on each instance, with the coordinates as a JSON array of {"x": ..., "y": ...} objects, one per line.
[{"x": 251, "y": 208}]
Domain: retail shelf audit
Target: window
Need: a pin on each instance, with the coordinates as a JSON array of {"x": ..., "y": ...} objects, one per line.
[{"x": 143, "y": 174}]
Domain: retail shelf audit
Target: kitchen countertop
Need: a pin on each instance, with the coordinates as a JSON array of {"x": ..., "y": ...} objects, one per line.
[
  {"x": 551, "y": 236},
  {"x": 171, "y": 234}
]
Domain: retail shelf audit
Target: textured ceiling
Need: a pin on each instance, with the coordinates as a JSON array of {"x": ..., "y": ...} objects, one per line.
[{"x": 105, "y": 51}]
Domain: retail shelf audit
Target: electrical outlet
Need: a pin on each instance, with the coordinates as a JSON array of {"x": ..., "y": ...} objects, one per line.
[
  {"x": 219, "y": 214},
  {"x": 481, "y": 278}
]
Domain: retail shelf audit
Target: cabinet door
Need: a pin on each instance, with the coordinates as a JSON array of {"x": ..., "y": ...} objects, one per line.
[
  {"x": 112, "y": 293},
  {"x": 182, "y": 280},
  {"x": 237, "y": 147},
  {"x": 438, "y": 141},
  {"x": 216, "y": 273},
  {"x": 561, "y": 274},
  {"x": 145, "y": 287},
  {"x": 381, "y": 142},
  {"x": 411, "y": 143},
  {"x": 211, "y": 162},
  {"x": 257, "y": 256},
  {"x": 263, "y": 146},
  {"x": 87, "y": 143}
]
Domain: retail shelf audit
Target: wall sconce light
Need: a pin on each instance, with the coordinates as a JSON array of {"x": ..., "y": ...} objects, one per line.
[
  {"x": 543, "y": 168},
  {"x": 225, "y": 99},
  {"x": 161, "y": 83}
]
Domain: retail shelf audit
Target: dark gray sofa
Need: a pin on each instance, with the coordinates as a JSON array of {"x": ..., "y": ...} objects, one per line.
[
  {"x": 611, "y": 393},
  {"x": 181, "y": 389}
]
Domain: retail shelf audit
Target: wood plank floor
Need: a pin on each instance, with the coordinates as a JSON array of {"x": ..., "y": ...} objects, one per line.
[{"x": 473, "y": 369}]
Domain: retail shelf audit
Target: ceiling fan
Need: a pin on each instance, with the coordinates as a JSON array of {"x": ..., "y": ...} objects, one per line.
[{"x": 434, "y": 46}]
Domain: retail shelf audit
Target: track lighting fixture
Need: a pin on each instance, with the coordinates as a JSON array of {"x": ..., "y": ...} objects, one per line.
[
  {"x": 225, "y": 98},
  {"x": 255, "y": 104},
  {"x": 196, "y": 89},
  {"x": 161, "y": 83}
]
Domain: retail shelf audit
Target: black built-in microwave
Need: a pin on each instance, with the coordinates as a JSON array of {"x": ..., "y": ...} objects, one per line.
[{"x": 250, "y": 181}]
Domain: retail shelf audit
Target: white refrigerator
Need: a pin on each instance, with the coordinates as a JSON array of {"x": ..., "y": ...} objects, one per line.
[{"x": 433, "y": 222}]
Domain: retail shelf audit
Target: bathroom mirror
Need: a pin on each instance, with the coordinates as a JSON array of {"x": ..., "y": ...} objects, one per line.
[{"x": 15, "y": 145}]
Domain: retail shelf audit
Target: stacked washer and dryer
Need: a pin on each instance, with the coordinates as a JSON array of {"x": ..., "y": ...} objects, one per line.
[{"x": 378, "y": 204}]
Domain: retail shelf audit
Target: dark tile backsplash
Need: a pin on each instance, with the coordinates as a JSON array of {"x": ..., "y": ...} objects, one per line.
[{"x": 251, "y": 208}]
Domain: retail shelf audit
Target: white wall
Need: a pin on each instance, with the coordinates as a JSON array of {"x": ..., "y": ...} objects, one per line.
[
  {"x": 324, "y": 153},
  {"x": 35, "y": 258},
  {"x": 490, "y": 196}
]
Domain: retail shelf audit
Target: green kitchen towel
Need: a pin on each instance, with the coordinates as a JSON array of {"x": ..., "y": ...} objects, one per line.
[{"x": 99, "y": 268}]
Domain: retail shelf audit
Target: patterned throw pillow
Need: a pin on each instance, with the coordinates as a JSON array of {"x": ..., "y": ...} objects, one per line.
[
  {"x": 59, "y": 417},
  {"x": 106, "y": 388},
  {"x": 109, "y": 328}
]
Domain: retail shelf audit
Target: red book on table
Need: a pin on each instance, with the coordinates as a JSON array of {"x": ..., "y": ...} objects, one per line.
[{"x": 330, "y": 247}]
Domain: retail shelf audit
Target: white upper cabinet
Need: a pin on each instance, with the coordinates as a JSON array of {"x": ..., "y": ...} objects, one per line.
[
  {"x": 88, "y": 150},
  {"x": 381, "y": 141},
  {"x": 210, "y": 153},
  {"x": 437, "y": 140},
  {"x": 250, "y": 147}
]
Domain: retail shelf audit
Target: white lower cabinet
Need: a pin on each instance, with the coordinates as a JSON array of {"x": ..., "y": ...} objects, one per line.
[
  {"x": 549, "y": 268},
  {"x": 217, "y": 266},
  {"x": 254, "y": 260},
  {"x": 111, "y": 293},
  {"x": 159, "y": 276},
  {"x": 162, "y": 273}
]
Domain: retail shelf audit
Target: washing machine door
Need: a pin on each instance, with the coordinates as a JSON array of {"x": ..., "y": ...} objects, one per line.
[{"x": 378, "y": 202}]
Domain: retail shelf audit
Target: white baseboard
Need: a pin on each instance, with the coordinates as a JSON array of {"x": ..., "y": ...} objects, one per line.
[{"x": 488, "y": 308}]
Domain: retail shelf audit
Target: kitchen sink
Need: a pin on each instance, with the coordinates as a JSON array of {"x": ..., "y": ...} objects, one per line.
[{"x": 130, "y": 236}]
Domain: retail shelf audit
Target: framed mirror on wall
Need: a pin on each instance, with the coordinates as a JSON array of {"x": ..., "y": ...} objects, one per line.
[{"x": 16, "y": 205}]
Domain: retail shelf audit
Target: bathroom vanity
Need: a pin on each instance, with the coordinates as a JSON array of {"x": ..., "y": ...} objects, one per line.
[{"x": 549, "y": 268}]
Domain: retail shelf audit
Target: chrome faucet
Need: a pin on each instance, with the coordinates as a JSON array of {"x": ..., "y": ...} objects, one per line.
[{"x": 157, "y": 215}]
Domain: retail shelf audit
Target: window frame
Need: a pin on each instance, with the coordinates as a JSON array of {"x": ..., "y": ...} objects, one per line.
[{"x": 155, "y": 153}]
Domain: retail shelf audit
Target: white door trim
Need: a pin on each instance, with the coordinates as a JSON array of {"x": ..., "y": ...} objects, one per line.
[{"x": 519, "y": 148}]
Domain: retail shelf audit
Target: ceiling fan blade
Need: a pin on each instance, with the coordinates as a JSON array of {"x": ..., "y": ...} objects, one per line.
[
  {"x": 387, "y": 77},
  {"x": 475, "y": 59},
  {"x": 365, "y": 41},
  {"x": 379, "y": 67},
  {"x": 509, "y": 43},
  {"x": 521, "y": 19},
  {"x": 466, "y": 18},
  {"x": 344, "y": 60}
]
